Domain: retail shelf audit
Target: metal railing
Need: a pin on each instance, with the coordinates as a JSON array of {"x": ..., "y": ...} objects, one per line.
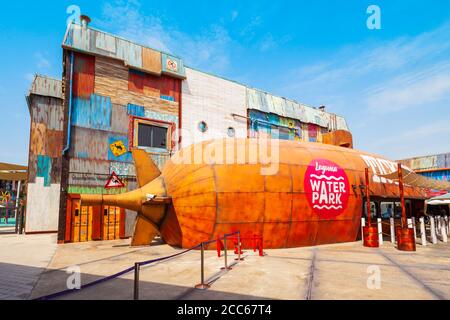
[
  {"x": 12, "y": 217},
  {"x": 137, "y": 268}
]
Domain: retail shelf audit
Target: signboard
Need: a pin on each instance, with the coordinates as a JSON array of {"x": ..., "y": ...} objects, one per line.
[
  {"x": 118, "y": 148},
  {"x": 171, "y": 65},
  {"x": 327, "y": 188},
  {"x": 114, "y": 182}
]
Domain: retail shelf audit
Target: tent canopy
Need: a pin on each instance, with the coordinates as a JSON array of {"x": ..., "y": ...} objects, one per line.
[{"x": 416, "y": 180}]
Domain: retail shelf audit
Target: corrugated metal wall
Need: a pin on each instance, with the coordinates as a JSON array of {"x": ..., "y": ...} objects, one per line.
[
  {"x": 44, "y": 163},
  {"x": 213, "y": 100},
  {"x": 268, "y": 103}
]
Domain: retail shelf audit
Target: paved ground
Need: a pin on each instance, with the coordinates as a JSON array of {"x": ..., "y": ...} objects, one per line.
[
  {"x": 22, "y": 261},
  {"x": 340, "y": 271}
]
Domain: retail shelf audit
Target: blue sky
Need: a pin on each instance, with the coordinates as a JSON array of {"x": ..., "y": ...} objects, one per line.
[{"x": 392, "y": 85}]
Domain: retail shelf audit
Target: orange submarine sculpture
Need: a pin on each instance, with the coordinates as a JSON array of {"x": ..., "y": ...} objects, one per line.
[{"x": 296, "y": 194}]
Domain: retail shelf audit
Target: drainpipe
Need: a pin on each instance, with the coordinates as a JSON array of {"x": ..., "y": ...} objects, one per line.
[{"x": 69, "y": 125}]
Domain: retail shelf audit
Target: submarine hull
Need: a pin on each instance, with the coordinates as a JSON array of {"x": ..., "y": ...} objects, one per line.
[{"x": 315, "y": 195}]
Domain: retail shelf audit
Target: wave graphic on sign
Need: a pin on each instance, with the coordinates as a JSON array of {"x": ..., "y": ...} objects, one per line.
[
  {"x": 327, "y": 207},
  {"x": 327, "y": 178}
]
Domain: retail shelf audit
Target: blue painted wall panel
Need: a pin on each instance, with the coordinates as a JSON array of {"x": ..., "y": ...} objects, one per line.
[
  {"x": 94, "y": 113},
  {"x": 136, "y": 110},
  {"x": 101, "y": 110}
]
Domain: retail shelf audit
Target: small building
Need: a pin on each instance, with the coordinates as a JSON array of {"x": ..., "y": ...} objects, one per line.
[
  {"x": 434, "y": 166},
  {"x": 116, "y": 95}
]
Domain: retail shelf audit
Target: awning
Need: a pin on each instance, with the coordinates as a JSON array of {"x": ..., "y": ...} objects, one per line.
[
  {"x": 12, "y": 167},
  {"x": 13, "y": 176},
  {"x": 437, "y": 202},
  {"x": 416, "y": 180}
]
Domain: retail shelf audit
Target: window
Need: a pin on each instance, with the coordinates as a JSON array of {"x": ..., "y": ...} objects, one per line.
[
  {"x": 231, "y": 132},
  {"x": 202, "y": 127},
  {"x": 152, "y": 136}
]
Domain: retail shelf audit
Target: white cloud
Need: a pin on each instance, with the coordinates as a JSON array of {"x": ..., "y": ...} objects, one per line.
[
  {"x": 207, "y": 49},
  {"x": 234, "y": 15},
  {"x": 41, "y": 61}
]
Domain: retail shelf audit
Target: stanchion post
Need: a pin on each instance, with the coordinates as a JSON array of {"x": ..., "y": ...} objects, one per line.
[
  {"x": 363, "y": 224},
  {"x": 239, "y": 247},
  {"x": 414, "y": 226},
  {"x": 423, "y": 235},
  {"x": 437, "y": 223},
  {"x": 443, "y": 231},
  {"x": 380, "y": 232},
  {"x": 433, "y": 231},
  {"x": 225, "y": 253},
  {"x": 392, "y": 229},
  {"x": 137, "y": 268},
  {"x": 202, "y": 285}
]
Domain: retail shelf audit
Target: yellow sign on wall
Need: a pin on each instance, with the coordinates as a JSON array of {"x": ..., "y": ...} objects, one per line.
[{"x": 118, "y": 148}]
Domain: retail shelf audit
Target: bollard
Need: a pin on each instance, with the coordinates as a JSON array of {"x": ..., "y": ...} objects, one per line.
[
  {"x": 437, "y": 223},
  {"x": 392, "y": 225},
  {"x": 380, "y": 232},
  {"x": 202, "y": 285},
  {"x": 239, "y": 247},
  {"x": 443, "y": 231},
  {"x": 433, "y": 231},
  {"x": 225, "y": 254},
  {"x": 137, "y": 268},
  {"x": 423, "y": 235},
  {"x": 363, "y": 224},
  {"x": 414, "y": 226}
]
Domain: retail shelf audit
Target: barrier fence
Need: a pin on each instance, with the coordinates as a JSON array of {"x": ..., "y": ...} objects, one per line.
[
  {"x": 428, "y": 229},
  {"x": 137, "y": 266},
  {"x": 12, "y": 217}
]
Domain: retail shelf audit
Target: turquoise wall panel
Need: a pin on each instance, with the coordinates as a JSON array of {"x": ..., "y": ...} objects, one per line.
[{"x": 44, "y": 168}]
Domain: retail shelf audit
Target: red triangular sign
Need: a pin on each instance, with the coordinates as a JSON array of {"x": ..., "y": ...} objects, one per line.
[{"x": 114, "y": 182}]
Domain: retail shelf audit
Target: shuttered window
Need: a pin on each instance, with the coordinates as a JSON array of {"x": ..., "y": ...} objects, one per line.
[{"x": 152, "y": 136}]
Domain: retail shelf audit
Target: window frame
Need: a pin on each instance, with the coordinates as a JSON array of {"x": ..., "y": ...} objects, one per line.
[{"x": 157, "y": 123}]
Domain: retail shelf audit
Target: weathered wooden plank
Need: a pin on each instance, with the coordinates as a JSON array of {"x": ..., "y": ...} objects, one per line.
[{"x": 151, "y": 61}]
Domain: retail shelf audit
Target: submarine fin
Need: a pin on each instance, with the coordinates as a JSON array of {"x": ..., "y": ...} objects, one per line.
[
  {"x": 144, "y": 232},
  {"x": 146, "y": 169}
]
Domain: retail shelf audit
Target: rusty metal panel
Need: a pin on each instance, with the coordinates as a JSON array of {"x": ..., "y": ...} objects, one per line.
[
  {"x": 89, "y": 144},
  {"x": 54, "y": 143},
  {"x": 83, "y": 76},
  {"x": 46, "y": 86},
  {"x": 151, "y": 61},
  {"x": 119, "y": 119}
]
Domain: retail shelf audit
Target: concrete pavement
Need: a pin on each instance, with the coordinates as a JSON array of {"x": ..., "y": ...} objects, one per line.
[
  {"x": 341, "y": 271},
  {"x": 22, "y": 261}
]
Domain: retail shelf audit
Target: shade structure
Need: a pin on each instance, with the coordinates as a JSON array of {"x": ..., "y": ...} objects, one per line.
[
  {"x": 438, "y": 202},
  {"x": 416, "y": 180}
]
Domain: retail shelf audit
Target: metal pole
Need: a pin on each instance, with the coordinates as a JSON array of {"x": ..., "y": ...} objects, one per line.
[
  {"x": 414, "y": 226},
  {"x": 423, "y": 235},
  {"x": 17, "y": 199},
  {"x": 225, "y": 253},
  {"x": 392, "y": 225},
  {"x": 402, "y": 195},
  {"x": 369, "y": 213},
  {"x": 202, "y": 284},
  {"x": 239, "y": 247},
  {"x": 137, "y": 268}
]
